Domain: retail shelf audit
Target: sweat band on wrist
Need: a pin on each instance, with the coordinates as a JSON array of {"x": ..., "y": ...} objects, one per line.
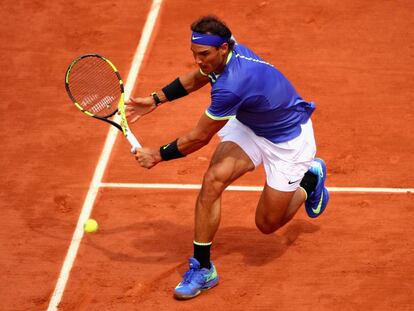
[
  {"x": 174, "y": 90},
  {"x": 170, "y": 151}
]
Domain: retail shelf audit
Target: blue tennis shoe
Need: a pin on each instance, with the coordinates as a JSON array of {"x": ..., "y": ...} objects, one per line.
[
  {"x": 196, "y": 280},
  {"x": 316, "y": 203}
]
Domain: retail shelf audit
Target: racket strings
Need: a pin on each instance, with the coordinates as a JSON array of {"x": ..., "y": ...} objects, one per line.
[{"x": 95, "y": 86}]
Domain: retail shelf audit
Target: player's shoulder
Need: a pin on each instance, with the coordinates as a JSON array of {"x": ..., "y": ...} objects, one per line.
[
  {"x": 238, "y": 71},
  {"x": 243, "y": 52}
]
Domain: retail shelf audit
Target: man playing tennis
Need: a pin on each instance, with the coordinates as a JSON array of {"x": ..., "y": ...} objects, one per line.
[{"x": 260, "y": 119}]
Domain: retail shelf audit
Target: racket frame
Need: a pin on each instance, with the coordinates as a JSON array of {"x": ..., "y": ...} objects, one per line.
[{"x": 123, "y": 125}]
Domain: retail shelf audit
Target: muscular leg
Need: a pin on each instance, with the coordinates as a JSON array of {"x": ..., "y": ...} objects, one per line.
[
  {"x": 229, "y": 162},
  {"x": 276, "y": 208}
]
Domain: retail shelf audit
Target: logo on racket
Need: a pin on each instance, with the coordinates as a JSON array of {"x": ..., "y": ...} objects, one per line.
[
  {"x": 107, "y": 101},
  {"x": 104, "y": 103}
]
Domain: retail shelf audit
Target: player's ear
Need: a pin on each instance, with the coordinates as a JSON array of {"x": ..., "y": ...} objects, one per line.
[{"x": 224, "y": 48}]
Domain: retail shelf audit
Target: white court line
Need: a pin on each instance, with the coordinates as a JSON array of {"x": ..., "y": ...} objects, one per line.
[
  {"x": 103, "y": 160},
  {"x": 250, "y": 188}
]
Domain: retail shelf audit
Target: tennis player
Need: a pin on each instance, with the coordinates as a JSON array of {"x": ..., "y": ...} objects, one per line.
[{"x": 260, "y": 119}]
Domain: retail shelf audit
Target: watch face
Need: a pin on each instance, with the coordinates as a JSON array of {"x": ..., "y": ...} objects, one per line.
[{"x": 156, "y": 98}]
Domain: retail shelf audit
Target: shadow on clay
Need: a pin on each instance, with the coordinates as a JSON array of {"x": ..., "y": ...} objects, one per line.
[{"x": 167, "y": 241}]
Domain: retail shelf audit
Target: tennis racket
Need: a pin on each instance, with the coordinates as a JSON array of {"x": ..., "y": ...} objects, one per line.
[{"x": 96, "y": 88}]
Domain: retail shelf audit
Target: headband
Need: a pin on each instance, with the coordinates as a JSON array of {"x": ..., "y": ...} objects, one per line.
[{"x": 207, "y": 39}]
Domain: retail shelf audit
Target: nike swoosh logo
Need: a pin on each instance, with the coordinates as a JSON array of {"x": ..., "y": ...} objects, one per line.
[
  {"x": 212, "y": 276},
  {"x": 165, "y": 147},
  {"x": 195, "y": 38},
  {"x": 317, "y": 210},
  {"x": 292, "y": 182}
]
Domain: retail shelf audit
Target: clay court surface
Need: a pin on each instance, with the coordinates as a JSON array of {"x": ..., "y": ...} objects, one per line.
[{"x": 354, "y": 58}]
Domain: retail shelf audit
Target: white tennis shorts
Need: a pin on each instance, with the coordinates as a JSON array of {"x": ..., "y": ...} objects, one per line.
[{"x": 285, "y": 163}]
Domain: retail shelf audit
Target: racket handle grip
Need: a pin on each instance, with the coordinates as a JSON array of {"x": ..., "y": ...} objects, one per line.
[{"x": 133, "y": 141}]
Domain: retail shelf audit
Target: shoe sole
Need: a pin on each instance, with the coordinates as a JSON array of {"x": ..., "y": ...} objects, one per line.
[
  {"x": 311, "y": 214},
  {"x": 309, "y": 211},
  {"x": 187, "y": 297}
]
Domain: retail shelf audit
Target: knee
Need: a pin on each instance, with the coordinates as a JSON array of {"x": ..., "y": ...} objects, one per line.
[
  {"x": 214, "y": 181},
  {"x": 267, "y": 226}
]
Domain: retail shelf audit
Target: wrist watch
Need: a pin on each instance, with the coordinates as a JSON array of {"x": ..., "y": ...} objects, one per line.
[{"x": 156, "y": 98}]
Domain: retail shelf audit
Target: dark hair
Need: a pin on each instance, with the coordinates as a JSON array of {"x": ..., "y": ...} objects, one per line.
[{"x": 211, "y": 24}]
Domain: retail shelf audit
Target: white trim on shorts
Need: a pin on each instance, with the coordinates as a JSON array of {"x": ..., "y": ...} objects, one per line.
[{"x": 285, "y": 163}]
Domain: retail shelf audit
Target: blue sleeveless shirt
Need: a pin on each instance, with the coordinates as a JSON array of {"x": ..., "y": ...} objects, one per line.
[{"x": 259, "y": 96}]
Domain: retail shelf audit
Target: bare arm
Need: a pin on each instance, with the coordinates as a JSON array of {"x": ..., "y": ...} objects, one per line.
[
  {"x": 200, "y": 135},
  {"x": 191, "y": 81},
  {"x": 137, "y": 107},
  {"x": 189, "y": 143}
]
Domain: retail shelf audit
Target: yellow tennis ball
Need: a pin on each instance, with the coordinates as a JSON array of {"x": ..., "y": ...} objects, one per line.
[{"x": 90, "y": 226}]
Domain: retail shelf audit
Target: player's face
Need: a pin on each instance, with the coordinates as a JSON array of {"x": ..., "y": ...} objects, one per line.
[{"x": 210, "y": 58}]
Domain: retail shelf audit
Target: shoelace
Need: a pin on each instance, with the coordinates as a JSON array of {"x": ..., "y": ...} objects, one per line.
[{"x": 188, "y": 276}]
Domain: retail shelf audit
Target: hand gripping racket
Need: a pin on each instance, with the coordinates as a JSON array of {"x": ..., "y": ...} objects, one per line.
[{"x": 96, "y": 88}]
